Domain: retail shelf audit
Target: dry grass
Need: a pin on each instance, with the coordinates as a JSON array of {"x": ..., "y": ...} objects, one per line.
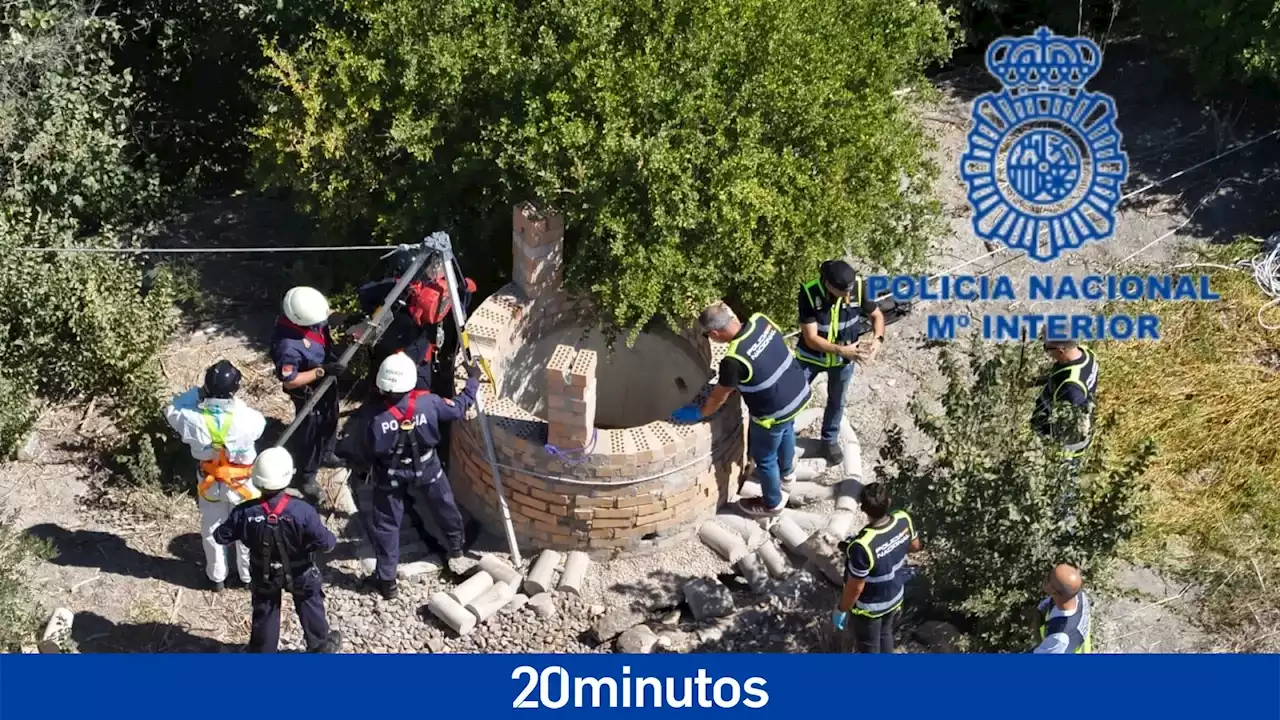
[{"x": 1209, "y": 393}]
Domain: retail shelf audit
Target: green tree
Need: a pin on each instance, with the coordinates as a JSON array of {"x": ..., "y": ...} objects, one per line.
[
  {"x": 71, "y": 325},
  {"x": 697, "y": 148},
  {"x": 988, "y": 499},
  {"x": 1226, "y": 43}
]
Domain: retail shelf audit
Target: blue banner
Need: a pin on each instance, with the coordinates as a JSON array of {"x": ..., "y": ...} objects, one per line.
[{"x": 479, "y": 687}]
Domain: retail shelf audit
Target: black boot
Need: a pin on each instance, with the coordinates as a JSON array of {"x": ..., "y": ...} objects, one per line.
[
  {"x": 386, "y": 588},
  {"x": 330, "y": 645},
  {"x": 834, "y": 453}
]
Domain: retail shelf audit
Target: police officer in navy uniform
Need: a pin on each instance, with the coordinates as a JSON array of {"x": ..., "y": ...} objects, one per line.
[
  {"x": 396, "y": 439},
  {"x": 304, "y": 354},
  {"x": 1065, "y": 615},
  {"x": 876, "y": 572},
  {"x": 758, "y": 364},
  {"x": 282, "y": 537},
  {"x": 834, "y": 310},
  {"x": 1073, "y": 380}
]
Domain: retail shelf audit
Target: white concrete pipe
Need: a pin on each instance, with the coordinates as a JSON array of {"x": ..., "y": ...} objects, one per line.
[
  {"x": 727, "y": 543},
  {"x": 808, "y": 493},
  {"x": 810, "y": 417},
  {"x": 744, "y": 526},
  {"x": 457, "y": 617},
  {"x": 773, "y": 560},
  {"x": 848, "y": 494},
  {"x": 471, "y": 588},
  {"x": 542, "y": 573},
  {"x": 823, "y": 554},
  {"x": 493, "y": 600},
  {"x": 807, "y": 520},
  {"x": 544, "y": 605},
  {"x": 517, "y": 602},
  {"x": 753, "y": 570},
  {"x": 852, "y": 467},
  {"x": 501, "y": 572},
  {"x": 791, "y": 534},
  {"x": 840, "y": 524},
  {"x": 575, "y": 571},
  {"x": 810, "y": 469}
]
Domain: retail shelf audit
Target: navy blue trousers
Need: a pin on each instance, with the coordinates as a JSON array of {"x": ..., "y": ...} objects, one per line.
[
  {"x": 388, "y": 514},
  {"x": 315, "y": 436},
  {"x": 308, "y": 601}
]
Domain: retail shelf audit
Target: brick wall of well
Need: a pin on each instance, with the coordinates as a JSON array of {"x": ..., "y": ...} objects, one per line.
[{"x": 626, "y": 490}]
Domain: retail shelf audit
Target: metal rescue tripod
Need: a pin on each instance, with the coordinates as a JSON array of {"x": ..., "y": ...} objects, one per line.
[{"x": 437, "y": 245}]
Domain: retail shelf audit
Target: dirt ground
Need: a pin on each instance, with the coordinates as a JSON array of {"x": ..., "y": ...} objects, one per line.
[{"x": 129, "y": 562}]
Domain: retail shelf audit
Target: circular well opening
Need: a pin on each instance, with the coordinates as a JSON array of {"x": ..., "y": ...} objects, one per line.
[{"x": 635, "y": 385}]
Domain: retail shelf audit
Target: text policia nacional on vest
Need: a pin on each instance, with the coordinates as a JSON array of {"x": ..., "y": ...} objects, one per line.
[{"x": 1046, "y": 289}]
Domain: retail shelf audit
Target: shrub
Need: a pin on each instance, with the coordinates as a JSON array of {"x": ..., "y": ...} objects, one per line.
[
  {"x": 19, "y": 613},
  {"x": 71, "y": 325},
  {"x": 697, "y": 148},
  {"x": 986, "y": 499}
]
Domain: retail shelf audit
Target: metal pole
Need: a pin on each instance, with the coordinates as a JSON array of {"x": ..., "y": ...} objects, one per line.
[
  {"x": 441, "y": 243},
  {"x": 352, "y": 349}
]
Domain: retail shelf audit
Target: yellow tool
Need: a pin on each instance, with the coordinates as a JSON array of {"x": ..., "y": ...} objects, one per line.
[{"x": 484, "y": 362}]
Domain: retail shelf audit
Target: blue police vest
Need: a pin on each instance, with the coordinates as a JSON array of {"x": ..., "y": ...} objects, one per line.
[
  {"x": 774, "y": 388},
  {"x": 404, "y": 437},
  {"x": 1075, "y": 626},
  {"x": 887, "y": 547},
  {"x": 840, "y": 322}
]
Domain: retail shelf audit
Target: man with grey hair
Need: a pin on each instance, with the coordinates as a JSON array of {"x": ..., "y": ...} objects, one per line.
[{"x": 758, "y": 364}]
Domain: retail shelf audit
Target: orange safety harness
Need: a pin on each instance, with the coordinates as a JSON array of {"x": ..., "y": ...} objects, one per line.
[{"x": 220, "y": 469}]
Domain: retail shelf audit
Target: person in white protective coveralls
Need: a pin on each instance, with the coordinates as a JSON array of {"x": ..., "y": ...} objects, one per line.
[{"x": 221, "y": 431}]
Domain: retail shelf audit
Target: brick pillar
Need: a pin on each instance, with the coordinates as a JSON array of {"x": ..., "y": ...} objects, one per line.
[
  {"x": 537, "y": 247},
  {"x": 571, "y": 397}
]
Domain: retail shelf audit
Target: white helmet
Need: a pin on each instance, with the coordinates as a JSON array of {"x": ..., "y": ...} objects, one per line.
[
  {"x": 397, "y": 374},
  {"x": 305, "y": 306},
  {"x": 273, "y": 469}
]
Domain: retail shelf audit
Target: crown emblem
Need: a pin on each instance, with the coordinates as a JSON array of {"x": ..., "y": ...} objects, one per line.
[{"x": 1043, "y": 60}]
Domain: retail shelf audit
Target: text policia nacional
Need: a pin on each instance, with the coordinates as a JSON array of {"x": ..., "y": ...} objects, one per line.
[
  {"x": 1045, "y": 289},
  {"x": 554, "y": 687}
]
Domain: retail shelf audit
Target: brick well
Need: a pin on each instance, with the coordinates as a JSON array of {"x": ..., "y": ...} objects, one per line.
[{"x": 635, "y": 484}]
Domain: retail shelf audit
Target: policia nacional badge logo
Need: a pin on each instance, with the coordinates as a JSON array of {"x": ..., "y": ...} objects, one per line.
[{"x": 1044, "y": 164}]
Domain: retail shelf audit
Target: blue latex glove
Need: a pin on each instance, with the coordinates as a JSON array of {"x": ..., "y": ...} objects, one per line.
[
  {"x": 687, "y": 414},
  {"x": 839, "y": 619}
]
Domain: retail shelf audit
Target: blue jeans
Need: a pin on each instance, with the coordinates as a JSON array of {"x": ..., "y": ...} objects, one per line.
[
  {"x": 774, "y": 452},
  {"x": 837, "y": 383}
]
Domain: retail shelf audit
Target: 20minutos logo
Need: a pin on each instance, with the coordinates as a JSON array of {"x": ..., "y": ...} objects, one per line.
[{"x": 553, "y": 688}]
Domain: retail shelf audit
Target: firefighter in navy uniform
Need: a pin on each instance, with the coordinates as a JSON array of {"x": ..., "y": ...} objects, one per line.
[
  {"x": 417, "y": 326},
  {"x": 876, "y": 572},
  {"x": 283, "y": 537},
  {"x": 304, "y": 354},
  {"x": 395, "y": 438},
  {"x": 834, "y": 311},
  {"x": 1072, "y": 380}
]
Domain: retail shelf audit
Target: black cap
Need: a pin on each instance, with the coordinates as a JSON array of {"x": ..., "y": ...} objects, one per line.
[
  {"x": 839, "y": 275},
  {"x": 221, "y": 380}
]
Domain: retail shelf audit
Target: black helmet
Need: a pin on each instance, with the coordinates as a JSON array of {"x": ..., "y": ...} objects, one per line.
[
  {"x": 221, "y": 380},
  {"x": 400, "y": 262}
]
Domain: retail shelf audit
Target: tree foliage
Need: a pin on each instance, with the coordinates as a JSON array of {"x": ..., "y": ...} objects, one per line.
[
  {"x": 989, "y": 497},
  {"x": 697, "y": 148},
  {"x": 71, "y": 324},
  {"x": 194, "y": 65}
]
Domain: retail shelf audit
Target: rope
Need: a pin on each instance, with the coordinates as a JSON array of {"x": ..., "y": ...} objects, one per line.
[
  {"x": 185, "y": 251},
  {"x": 576, "y": 456},
  {"x": 1266, "y": 272}
]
